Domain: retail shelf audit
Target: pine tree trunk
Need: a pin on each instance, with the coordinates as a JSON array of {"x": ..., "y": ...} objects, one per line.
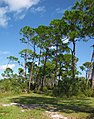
[
  {"x": 31, "y": 77},
  {"x": 25, "y": 61},
  {"x": 73, "y": 61},
  {"x": 93, "y": 76},
  {"x": 56, "y": 66},
  {"x": 32, "y": 68},
  {"x": 44, "y": 72}
]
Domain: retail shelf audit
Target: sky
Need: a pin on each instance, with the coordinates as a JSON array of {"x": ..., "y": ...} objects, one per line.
[{"x": 15, "y": 14}]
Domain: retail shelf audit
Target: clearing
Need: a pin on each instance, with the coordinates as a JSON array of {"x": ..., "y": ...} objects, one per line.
[{"x": 37, "y": 106}]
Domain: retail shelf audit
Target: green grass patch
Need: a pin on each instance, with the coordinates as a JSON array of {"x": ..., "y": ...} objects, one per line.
[
  {"x": 17, "y": 113},
  {"x": 80, "y": 108}
]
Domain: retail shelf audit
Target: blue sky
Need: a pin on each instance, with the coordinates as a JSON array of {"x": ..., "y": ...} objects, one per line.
[{"x": 15, "y": 14}]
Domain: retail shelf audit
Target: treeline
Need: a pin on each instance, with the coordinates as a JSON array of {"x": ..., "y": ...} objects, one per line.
[{"x": 49, "y": 62}]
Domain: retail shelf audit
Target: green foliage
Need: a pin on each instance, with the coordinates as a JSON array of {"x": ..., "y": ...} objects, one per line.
[
  {"x": 78, "y": 87},
  {"x": 48, "y": 62},
  {"x": 8, "y": 73},
  {"x": 86, "y": 10},
  {"x": 15, "y": 84},
  {"x": 12, "y": 58}
]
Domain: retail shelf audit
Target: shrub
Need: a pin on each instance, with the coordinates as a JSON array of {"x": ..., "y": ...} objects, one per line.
[{"x": 78, "y": 87}]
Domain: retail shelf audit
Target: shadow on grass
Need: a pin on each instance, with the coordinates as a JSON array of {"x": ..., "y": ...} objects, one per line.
[{"x": 55, "y": 104}]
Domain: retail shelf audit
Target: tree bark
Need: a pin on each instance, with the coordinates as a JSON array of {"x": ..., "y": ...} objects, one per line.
[
  {"x": 25, "y": 61},
  {"x": 73, "y": 61},
  {"x": 93, "y": 76},
  {"x": 43, "y": 78},
  {"x": 31, "y": 77},
  {"x": 56, "y": 65},
  {"x": 32, "y": 67}
]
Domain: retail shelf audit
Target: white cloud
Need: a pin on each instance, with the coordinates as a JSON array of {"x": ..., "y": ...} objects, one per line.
[
  {"x": 3, "y": 67},
  {"x": 61, "y": 11},
  {"x": 15, "y": 7},
  {"x": 1, "y": 77},
  {"x": 53, "y": 47},
  {"x": 22, "y": 16},
  {"x": 18, "y": 15},
  {"x": 4, "y": 52},
  {"x": 3, "y": 17},
  {"x": 65, "y": 40},
  {"x": 38, "y": 9}
]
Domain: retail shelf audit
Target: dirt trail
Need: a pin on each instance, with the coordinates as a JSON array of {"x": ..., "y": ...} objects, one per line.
[
  {"x": 55, "y": 115},
  {"x": 50, "y": 114}
]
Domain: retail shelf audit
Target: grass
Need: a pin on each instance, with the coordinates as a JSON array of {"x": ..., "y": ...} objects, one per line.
[
  {"x": 76, "y": 108},
  {"x": 16, "y": 113}
]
